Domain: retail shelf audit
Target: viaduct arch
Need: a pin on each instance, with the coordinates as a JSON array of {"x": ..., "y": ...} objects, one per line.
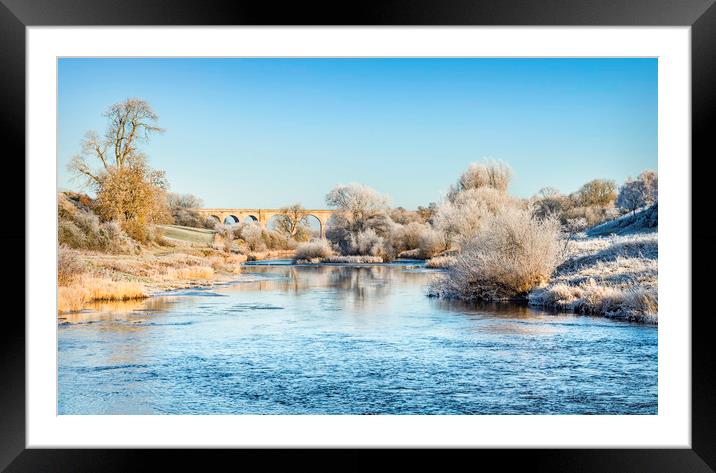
[{"x": 262, "y": 216}]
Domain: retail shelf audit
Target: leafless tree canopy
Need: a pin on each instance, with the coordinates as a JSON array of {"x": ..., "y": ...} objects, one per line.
[
  {"x": 184, "y": 201},
  {"x": 129, "y": 124},
  {"x": 292, "y": 219}
]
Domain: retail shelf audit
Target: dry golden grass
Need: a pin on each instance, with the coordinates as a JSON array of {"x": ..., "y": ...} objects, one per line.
[
  {"x": 103, "y": 289},
  {"x": 71, "y": 298},
  {"x": 88, "y": 289},
  {"x": 190, "y": 273},
  {"x": 228, "y": 263},
  {"x": 121, "y": 277}
]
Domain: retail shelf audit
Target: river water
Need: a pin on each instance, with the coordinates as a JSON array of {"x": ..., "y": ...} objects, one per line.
[{"x": 347, "y": 340}]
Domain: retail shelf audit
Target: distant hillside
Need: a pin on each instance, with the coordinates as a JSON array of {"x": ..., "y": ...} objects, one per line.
[{"x": 644, "y": 221}]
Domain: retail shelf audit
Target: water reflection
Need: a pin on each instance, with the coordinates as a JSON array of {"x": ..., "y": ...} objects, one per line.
[{"x": 341, "y": 340}]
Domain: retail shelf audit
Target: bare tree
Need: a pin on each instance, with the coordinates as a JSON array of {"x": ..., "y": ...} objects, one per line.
[
  {"x": 291, "y": 220},
  {"x": 548, "y": 201},
  {"x": 129, "y": 124},
  {"x": 184, "y": 201}
]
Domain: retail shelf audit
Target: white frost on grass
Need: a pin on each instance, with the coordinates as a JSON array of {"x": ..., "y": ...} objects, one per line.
[{"x": 615, "y": 276}]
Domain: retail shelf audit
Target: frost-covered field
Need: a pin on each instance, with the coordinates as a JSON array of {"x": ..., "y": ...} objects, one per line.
[{"x": 615, "y": 276}]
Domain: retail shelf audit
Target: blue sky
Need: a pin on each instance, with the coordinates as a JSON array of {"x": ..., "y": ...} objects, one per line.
[{"x": 271, "y": 132}]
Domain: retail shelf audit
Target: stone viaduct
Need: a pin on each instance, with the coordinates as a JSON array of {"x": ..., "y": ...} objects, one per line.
[{"x": 262, "y": 216}]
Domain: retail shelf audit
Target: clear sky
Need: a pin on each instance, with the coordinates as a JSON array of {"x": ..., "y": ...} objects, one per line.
[{"x": 272, "y": 132}]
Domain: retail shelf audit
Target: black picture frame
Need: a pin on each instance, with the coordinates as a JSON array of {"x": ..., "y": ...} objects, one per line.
[{"x": 700, "y": 15}]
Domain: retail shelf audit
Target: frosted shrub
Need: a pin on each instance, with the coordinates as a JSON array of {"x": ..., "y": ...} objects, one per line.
[
  {"x": 318, "y": 248},
  {"x": 592, "y": 215},
  {"x": 513, "y": 253},
  {"x": 419, "y": 237},
  {"x": 252, "y": 235},
  {"x": 492, "y": 174},
  {"x": 353, "y": 259},
  {"x": 79, "y": 228},
  {"x": 404, "y": 217},
  {"x": 225, "y": 236},
  {"x": 407, "y": 237},
  {"x": 441, "y": 262},
  {"x": 368, "y": 242},
  {"x": 190, "y": 218},
  {"x": 69, "y": 265},
  {"x": 461, "y": 217},
  {"x": 430, "y": 243}
]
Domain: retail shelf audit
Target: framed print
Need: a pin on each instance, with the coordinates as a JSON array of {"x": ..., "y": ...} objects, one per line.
[{"x": 431, "y": 228}]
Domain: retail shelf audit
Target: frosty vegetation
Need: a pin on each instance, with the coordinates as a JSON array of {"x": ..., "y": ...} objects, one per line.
[
  {"x": 512, "y": 252},
  {"x": 592, "y": 251},
  {"x": 504, "y": 248},
  {"x": 313, "y": 251},
  {"x": 493, "y": 246},
  {"x": 614, "y": 276}
]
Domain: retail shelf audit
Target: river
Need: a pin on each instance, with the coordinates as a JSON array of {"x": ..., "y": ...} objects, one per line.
[{"x": 288, "y": 339}]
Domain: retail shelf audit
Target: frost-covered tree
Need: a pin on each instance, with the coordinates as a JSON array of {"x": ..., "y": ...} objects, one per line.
[
  {"x": 358, "y": 209},
  {"x": 651, "y": 184},
  {"x": 639, "y": 192},
  {"x": 182, "y": 208},
  {"x": 225, "y": 234},
  {"x": 548, "y": 201},
  {"x": 357, "y": 203},
  {"x": 492, "y": 173},
  {"x": 461, "y": 217},
  {"x": 184, "y": 201},
  {"x": 252, "y": 234}
]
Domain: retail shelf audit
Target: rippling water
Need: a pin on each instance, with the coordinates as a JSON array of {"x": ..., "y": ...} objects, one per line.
[{"x": 347, "y": 340}]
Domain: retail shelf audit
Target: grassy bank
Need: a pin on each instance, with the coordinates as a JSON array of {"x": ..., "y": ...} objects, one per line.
[
  {"x": 185, "y": 259},
  {"x": 614, "y": 276},
  {"x": 90, "y": 276},
  {"x": 610, "y": 270}
]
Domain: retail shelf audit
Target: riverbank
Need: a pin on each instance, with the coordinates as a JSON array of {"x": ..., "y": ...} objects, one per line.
[
  {"x": 347, "y": 339},
  {"x": 86, "y": 277},
  {"x": 614, "y": 276}
]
